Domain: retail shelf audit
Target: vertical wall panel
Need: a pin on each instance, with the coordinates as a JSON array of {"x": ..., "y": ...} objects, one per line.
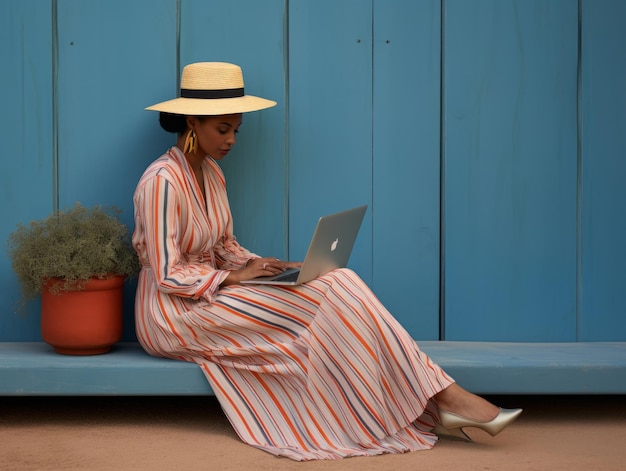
[
  {"x": 114, "y": 58},
  {"x": 330, "y": 118},
  {"x": 250, "y": 34},
  {"x": 26, "y": 179},
  {"x": 603, "y": 313},
  {"x": 111, "y": 66},
  {"x": 406, "y": 162},
  {"x": 510, "y": 169}
]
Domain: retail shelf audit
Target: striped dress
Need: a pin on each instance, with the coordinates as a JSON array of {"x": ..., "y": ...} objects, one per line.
[{"x": 318, "y": 371}]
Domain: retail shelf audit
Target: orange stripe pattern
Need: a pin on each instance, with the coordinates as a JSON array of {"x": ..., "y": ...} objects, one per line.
[{"x": 318, "y": 371}]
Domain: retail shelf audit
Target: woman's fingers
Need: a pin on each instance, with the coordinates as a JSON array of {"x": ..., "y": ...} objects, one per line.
[{"x": 270, "y": 266}]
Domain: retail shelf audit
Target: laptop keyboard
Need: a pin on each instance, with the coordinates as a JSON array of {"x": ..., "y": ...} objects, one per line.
[{"x": 291, "y": 276}]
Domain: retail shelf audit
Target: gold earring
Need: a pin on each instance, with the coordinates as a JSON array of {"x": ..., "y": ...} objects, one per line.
[{"x": 191, "y": 142}]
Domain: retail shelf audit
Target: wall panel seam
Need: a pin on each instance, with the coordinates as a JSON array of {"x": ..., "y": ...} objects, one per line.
[
  {"x": 579, "y": 169},
  {"x": 442, "y": 174},
  {"x": 55, "y": 105},
  {"x": 287, "y": 121}
]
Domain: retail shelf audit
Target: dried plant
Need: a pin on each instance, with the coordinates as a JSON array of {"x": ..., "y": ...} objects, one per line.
[{"x": 73, "y": 245}]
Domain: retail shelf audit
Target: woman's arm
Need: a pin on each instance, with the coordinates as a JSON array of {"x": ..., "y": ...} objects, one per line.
[{"x": 157, "y": 240}]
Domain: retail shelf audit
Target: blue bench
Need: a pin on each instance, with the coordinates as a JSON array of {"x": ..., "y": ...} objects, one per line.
[{"x": 33, "y": 369}]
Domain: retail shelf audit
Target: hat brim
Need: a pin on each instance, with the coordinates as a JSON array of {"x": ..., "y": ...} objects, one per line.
[{"x": 212, "y": 107}]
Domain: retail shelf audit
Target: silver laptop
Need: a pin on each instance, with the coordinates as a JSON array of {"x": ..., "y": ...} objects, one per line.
[{"x": 330, "y": 248}]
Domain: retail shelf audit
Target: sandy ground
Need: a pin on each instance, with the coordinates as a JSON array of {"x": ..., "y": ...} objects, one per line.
[{"x": 191, "y": 433}]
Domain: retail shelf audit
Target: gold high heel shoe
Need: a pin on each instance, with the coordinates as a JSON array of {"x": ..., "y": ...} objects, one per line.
[{"x": 451, "y": 425}]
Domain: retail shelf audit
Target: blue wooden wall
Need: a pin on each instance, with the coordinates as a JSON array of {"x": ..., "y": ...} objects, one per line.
[
  {"x": 510, "y": 175},
  {"x": 486, "y": 136},
  {"x": 602, "y": 307}
]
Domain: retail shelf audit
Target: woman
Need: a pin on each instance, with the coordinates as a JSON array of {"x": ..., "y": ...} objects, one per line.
[{"x": 318, "y": 371}]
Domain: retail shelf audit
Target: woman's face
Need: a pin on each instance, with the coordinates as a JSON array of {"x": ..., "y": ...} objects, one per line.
[{"x": 216, "y": 134}]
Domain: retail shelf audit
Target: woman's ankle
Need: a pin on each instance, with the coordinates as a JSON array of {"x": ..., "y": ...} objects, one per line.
[{"x": 457, "y": 400}]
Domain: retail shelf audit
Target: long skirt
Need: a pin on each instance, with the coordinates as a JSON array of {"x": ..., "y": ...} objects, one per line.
[{"x": 317, "y": 371}]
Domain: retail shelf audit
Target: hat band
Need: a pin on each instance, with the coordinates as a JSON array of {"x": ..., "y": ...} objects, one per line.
[{"x": 211, "y": 94}]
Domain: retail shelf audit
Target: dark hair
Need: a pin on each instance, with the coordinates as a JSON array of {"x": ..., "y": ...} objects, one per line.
[{"x": 173, "y": 122}]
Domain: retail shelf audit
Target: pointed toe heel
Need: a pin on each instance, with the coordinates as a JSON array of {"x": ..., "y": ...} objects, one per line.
[
  {"x": 451, "y": 434},
  {"x": 453, "y": 422}
]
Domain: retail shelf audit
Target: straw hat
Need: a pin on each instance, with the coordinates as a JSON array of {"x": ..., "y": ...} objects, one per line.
[{"x": 212, "y": 88}]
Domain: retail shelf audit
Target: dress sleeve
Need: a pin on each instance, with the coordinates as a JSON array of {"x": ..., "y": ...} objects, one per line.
[
  {"x": 229, "y": 255},
  {"x": 156, "y": 240}
]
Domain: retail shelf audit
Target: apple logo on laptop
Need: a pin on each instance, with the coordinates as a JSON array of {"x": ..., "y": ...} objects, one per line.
[{"x": 333, "y": 246}]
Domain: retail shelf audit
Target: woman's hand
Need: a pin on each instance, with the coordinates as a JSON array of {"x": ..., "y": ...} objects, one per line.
[{"x": 267, "y": 266}]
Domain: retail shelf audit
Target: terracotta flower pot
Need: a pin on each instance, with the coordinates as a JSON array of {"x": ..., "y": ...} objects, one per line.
[{"x": 83, "y": 322}]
